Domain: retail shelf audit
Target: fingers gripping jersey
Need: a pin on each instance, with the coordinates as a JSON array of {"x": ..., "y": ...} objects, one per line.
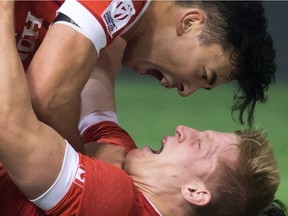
[
  {"x": 104, "y": 190},
  {"x": 13, "y": 202},
  {"x": 108, "y": 132},
  {"x": 95, "y": 187},
  {"x": 103, "y": 127}
]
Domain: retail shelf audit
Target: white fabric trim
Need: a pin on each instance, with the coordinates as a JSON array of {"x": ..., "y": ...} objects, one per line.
[
  {"x": 72, "y": 26},
  {"x": 95, "y": 117},
  {"x": 89, "y": 25},
  {"x": 153, "y": 205},
  {"x": 137, "y": 18},
  {"x": 61, "y": 186}
]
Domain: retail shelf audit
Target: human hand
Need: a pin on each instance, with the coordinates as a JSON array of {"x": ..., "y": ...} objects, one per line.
[{"x": 106, "y": 152}]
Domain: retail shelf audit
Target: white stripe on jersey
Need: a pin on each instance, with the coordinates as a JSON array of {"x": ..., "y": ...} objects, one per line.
[
  {"x": 89, "y": 25},
  {"x": 63, "y": 182},
  {"x": 96, "y": 117},
  {"x": 137, "y": 18}
]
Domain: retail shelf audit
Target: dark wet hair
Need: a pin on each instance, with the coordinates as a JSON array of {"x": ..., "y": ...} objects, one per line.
[{"x": 240, "y": 27}]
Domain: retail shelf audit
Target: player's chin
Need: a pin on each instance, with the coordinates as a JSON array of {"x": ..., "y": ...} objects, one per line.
[{"x": 139, "y": 153}]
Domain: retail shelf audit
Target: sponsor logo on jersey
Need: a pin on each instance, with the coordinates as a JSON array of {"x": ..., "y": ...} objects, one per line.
[
  {"x": 26, "y": 43},
  {"x": 80, "y": 176},
  {"x": 117, "y": 15}
]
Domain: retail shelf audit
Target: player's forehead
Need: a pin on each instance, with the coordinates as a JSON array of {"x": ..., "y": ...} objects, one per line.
[{"x": 224, "y": 142}]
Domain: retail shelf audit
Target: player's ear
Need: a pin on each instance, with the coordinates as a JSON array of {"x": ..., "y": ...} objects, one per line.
[
  {"x": 192, "y": 20},
  {"x": 196, "y": 194}
]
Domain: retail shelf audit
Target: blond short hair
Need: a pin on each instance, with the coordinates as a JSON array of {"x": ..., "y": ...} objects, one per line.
[{"x": 247, "y": 187}]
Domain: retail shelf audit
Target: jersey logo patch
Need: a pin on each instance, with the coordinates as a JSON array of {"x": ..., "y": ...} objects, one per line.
[
  {"x": 117, "y": 15},
  {"x": 80, "y": 176}
]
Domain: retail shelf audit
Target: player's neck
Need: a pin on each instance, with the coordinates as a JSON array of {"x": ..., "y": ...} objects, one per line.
[
  {"x": 142, "y": 25},
  {"x": 167, "y": 202}
]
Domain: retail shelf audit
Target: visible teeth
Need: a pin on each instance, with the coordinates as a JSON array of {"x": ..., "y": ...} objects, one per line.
[{"x": 163, "y": 82}]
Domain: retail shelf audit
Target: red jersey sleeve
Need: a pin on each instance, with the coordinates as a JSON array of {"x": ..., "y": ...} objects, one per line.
[
  {"x": 32, "y": 20},
  {"x": 108, "y": 132},
  {"x": 98, "y": 188},
  {"x": 12, "y": 200},
  {"x": 102, "y": 21}
]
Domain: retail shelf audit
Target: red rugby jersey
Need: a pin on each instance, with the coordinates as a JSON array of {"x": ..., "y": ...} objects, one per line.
[
  {"x": 99, "y": 21},
  {"x": 98, "y": 188},
  {"x": 104, "y": 189}
]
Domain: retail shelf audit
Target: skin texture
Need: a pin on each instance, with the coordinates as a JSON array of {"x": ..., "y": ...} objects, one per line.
[
  {"x": 186, "y": 161},
  {"x": 177, "y": 175},
  {"x": 55, "y": 81},
  {"x": 184, "y": 64},
  {"x": 24, "y": 140}
]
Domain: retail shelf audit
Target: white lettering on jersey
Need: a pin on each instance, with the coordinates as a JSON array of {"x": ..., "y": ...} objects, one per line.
[
  {"x": 80, "y": 176},
  {"x": 117, "y": 15},
  {"x": 31, "y": 29}
]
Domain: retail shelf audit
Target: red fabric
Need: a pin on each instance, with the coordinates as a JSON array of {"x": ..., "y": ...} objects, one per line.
[
  {"x": 97, "y": 8},
  {"x": 105, "y": 190},
  {"x": 108, "y": 132},
  {"x": 12, "y": 201},
  {"x": 32, "y": 20}
]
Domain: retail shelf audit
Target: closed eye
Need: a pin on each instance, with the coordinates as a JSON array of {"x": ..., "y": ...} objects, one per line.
[{"x": 196, "y": 144}]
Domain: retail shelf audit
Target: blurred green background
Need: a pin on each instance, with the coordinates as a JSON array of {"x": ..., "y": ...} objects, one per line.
[{"x": 149, "y": 112}]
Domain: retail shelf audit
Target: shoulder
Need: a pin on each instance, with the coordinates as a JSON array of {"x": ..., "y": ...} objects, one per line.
[{"x": 102, "y": 21}]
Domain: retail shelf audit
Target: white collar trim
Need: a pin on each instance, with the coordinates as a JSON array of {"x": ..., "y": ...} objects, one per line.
[{"x": 153, "y": 206}]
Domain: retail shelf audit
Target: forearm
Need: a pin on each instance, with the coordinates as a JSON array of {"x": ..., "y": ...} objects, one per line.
[
  {"x": 10, "y": 65},
  {"x": 98, "y": 105},
  {"x": 99, "y": 92},
  {"x": 104, "y": 139},
  {"x": 26, "y": 144},
  {"x": 56, "y": 76}
]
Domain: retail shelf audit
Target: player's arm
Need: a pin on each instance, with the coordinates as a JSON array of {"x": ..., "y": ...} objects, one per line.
[
  {"x": 63, "y": 63},
  {"x": 98, "y": 105},
  {"x": 56, "y": 76},
  {"x": 98, "y": 93},
  {"x": 31, "y": 152}
]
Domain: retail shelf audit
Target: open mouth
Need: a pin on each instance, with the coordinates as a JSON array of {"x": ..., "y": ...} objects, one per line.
[
  {"x": 162, "y": 80},
  {"x": 157, "y": 152},
  {"x": 158, "y": 75}
]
